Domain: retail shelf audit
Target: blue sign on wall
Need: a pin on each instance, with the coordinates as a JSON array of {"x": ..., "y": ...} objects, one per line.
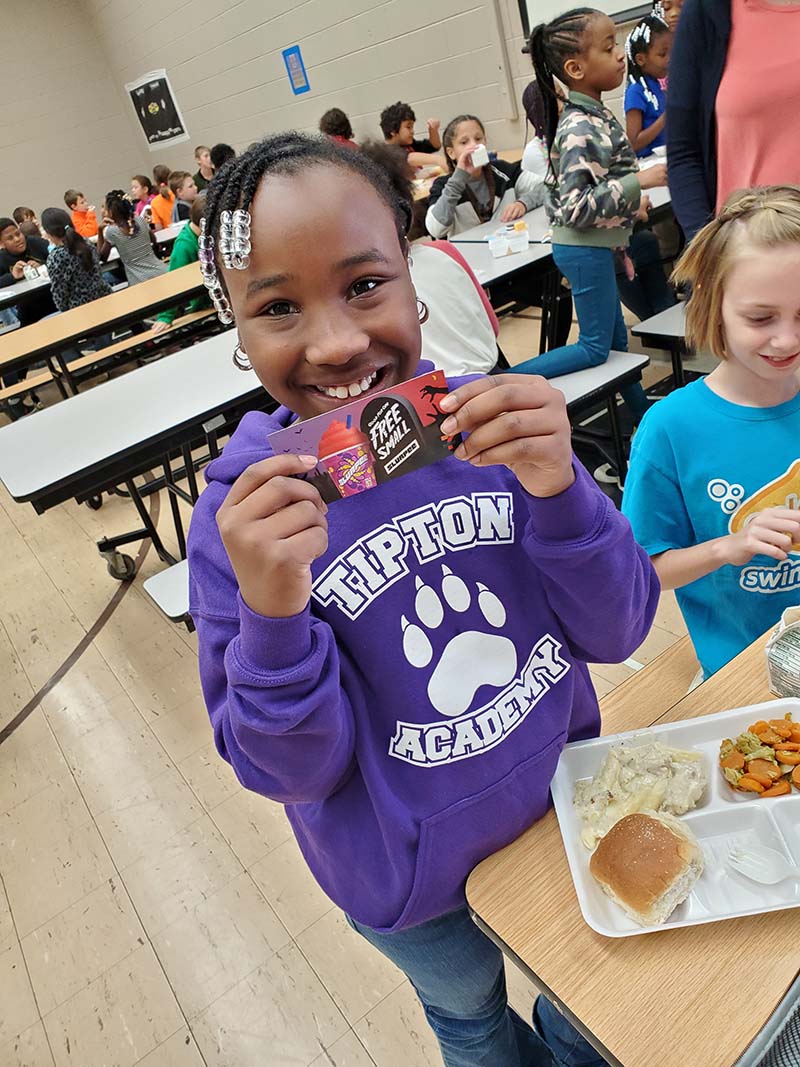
[{"x": 295, "y": 68}]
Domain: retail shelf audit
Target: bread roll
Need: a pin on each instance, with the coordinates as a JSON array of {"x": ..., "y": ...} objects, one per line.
[{"x": 647, "y": 863}]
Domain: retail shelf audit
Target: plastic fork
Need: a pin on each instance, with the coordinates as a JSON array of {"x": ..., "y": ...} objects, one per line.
[{"x": 761, "y": 864}]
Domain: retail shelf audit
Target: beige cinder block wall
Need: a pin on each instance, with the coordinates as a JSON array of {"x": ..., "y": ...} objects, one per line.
[{"x": 68, "y": 120}]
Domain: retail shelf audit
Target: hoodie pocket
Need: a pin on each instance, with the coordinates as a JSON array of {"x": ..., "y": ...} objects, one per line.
[{"x": 456, "y": 839}]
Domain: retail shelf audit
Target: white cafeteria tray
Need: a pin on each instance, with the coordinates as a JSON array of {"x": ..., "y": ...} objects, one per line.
[{"x": 722, "y": 818}]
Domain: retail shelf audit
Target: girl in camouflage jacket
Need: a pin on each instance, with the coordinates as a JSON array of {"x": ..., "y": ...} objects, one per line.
[{"x": 595, "y": 188}]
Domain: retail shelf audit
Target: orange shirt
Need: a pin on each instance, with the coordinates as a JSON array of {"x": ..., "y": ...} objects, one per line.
[
  {"x": 85, "y": 222},
  {"x": 756, "y": 144},
  {"x": 162, "y": 210}
]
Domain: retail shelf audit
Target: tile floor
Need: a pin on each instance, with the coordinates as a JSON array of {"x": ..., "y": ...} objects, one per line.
[{"x": 152, "y": 912}]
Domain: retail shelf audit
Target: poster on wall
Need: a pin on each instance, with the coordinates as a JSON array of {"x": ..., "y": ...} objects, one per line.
[{"x": 157, "y": 110}]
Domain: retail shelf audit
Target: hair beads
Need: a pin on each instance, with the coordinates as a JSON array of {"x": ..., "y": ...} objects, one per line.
[{"x": 208, "y": 268}]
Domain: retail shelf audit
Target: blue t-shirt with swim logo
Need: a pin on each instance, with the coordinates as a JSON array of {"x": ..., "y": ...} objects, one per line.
[{"x": 702, "y": 467}]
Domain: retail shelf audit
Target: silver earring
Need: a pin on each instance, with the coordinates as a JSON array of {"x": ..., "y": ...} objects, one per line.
[{"x": 240, "y": 360}]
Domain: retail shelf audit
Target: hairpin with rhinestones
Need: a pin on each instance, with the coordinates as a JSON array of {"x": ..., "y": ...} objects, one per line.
[{"x": 208, "y": 268}]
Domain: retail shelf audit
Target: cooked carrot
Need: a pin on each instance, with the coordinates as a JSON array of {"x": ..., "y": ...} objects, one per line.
[
  {"x": 735, "y": 760},
  {"x": 762, "y": 779},
  {"x": 766, "y": 767},
  {"x": 780, "y": 789},
  {"x": 758, "y": 727},
  {"x": 781, "y": 726},
  {"x": 769, "y": 737},
  {"x": 796, "y": 776},
  {"x": 789, "y": 746},
  {"x": 749, "y": 785},
  {"x": 787, "y": 757},
  {"x": 795, "y": 731}
]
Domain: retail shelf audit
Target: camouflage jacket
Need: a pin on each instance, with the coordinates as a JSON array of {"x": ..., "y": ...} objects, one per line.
[{"x": 596, "y": 193}]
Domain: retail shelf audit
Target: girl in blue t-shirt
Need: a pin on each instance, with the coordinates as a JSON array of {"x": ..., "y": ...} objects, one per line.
[
  {"x": 713, "y": 493},
  {"x": 647, "y": 49}
]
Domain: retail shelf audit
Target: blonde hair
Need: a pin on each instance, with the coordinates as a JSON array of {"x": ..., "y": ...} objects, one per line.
[{"x": 766, "y": 216}]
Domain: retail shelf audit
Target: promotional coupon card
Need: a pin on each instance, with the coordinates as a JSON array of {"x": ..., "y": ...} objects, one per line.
[{"x": 373, "y": 439}]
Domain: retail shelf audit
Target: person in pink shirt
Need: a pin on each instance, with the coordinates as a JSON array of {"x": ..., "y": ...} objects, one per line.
[{"x": 722, "y": 134}]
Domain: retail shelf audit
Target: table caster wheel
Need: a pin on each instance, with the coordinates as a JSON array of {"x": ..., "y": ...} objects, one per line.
[
  {"x": 120, "y": 566},
  {"x": 95, "y": 502}
]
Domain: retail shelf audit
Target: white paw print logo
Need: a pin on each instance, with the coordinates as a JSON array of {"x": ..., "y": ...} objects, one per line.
[
  {"x": 469, "y": 660},
  {"x": 728, "y": 496}
]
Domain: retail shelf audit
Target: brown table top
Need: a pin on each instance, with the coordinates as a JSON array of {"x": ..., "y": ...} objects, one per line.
[
  {"x": 693, "y": 996},
  {"x": 137, "y": 300}
]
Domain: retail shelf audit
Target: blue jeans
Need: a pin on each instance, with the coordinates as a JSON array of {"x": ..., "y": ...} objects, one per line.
[
  {"x": 590, "y": 273},
  {"x": 458, "y": 975}
]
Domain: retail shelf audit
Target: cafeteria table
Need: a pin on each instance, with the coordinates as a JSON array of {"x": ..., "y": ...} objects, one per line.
[
  {"x": 710, "y": 995},
  {"x": 666, "y": 330},
  {"x": 45, "y": 340},
  {"x": 118, "y": 431}
]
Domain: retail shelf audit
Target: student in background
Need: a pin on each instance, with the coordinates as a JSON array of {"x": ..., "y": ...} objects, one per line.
[
  {"x": 535, "y": 157},
  {"x": 161, "y": 205},
  {"x": 17, "y": 249},
  {"x": 668, "y": 11},
  {"x": 647, "y": 49},
  {"x": 131, "y": 237},
  {"x": 459, "y": 326},
  {"x": 597, "y": 193},
  {"x": 185, "y": 191},
  {"x": 220, "y": 155},
  {"x": 25, "y": 218},
  {"x": 336, "y": 125},
  {"x": 713, "y": 485},
  {"x": 73, "y": 264},
  {"x": 397, "y": 125},
  {"x": 468, "y": 195},
  {"x": 205, "y": 168},
  {"x": 142, "y": 192},
  {"x": 84, "y": 215},
  {"x": 185, "y": 251}
]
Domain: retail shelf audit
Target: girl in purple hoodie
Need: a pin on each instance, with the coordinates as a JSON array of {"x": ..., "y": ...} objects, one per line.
[{"x": 400, "y": 671}]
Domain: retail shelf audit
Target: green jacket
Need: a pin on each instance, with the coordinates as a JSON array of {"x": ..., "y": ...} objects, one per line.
[
  {"x": 184, "y": 251},
  {"x": 596, "y": 193}
]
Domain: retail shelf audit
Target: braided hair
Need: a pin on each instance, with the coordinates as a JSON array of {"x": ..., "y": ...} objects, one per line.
[
  {"x": 551, "y": 45},
  {"x": 235, "y": 184},
  {"x": 122, "y": 212},
  {"x": 639, "y": 40}
]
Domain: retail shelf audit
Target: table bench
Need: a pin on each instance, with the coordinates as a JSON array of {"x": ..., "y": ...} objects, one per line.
[{"x": 667, "y": 330}]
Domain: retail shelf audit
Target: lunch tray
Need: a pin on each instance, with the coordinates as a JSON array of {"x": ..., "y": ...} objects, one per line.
[{"x": 723, "y": 818}]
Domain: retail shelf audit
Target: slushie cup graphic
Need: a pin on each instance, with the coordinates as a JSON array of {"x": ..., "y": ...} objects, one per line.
[{"x": 344, "y": 453}]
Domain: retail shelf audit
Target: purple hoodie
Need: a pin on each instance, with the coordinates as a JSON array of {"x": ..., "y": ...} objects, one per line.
[{"x": 412, "y": 716}]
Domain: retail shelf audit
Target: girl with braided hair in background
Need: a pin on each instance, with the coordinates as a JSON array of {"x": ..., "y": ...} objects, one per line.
[
  {"x": 647, "y": 50},
  {"x": 317, "y": 676},
  {"x": 133, "y": 239},
  {"x": 595, "y": 190}
]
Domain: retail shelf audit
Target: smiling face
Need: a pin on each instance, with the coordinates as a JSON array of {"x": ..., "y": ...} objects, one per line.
[
  {"x": 600, "y": 67},
  {"x": 761, "y": 322},
  {"x": 12, "y": 239},
  {"x": 326, "y": 310},
  {"x": 655, "y": 61},
  {"x": 81, "y": 204}
]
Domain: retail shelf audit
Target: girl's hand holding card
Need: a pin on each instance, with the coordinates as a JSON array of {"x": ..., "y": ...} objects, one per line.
[
  {"x": 518, "y": 420},
  {"x": 273, "y": 527}
]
